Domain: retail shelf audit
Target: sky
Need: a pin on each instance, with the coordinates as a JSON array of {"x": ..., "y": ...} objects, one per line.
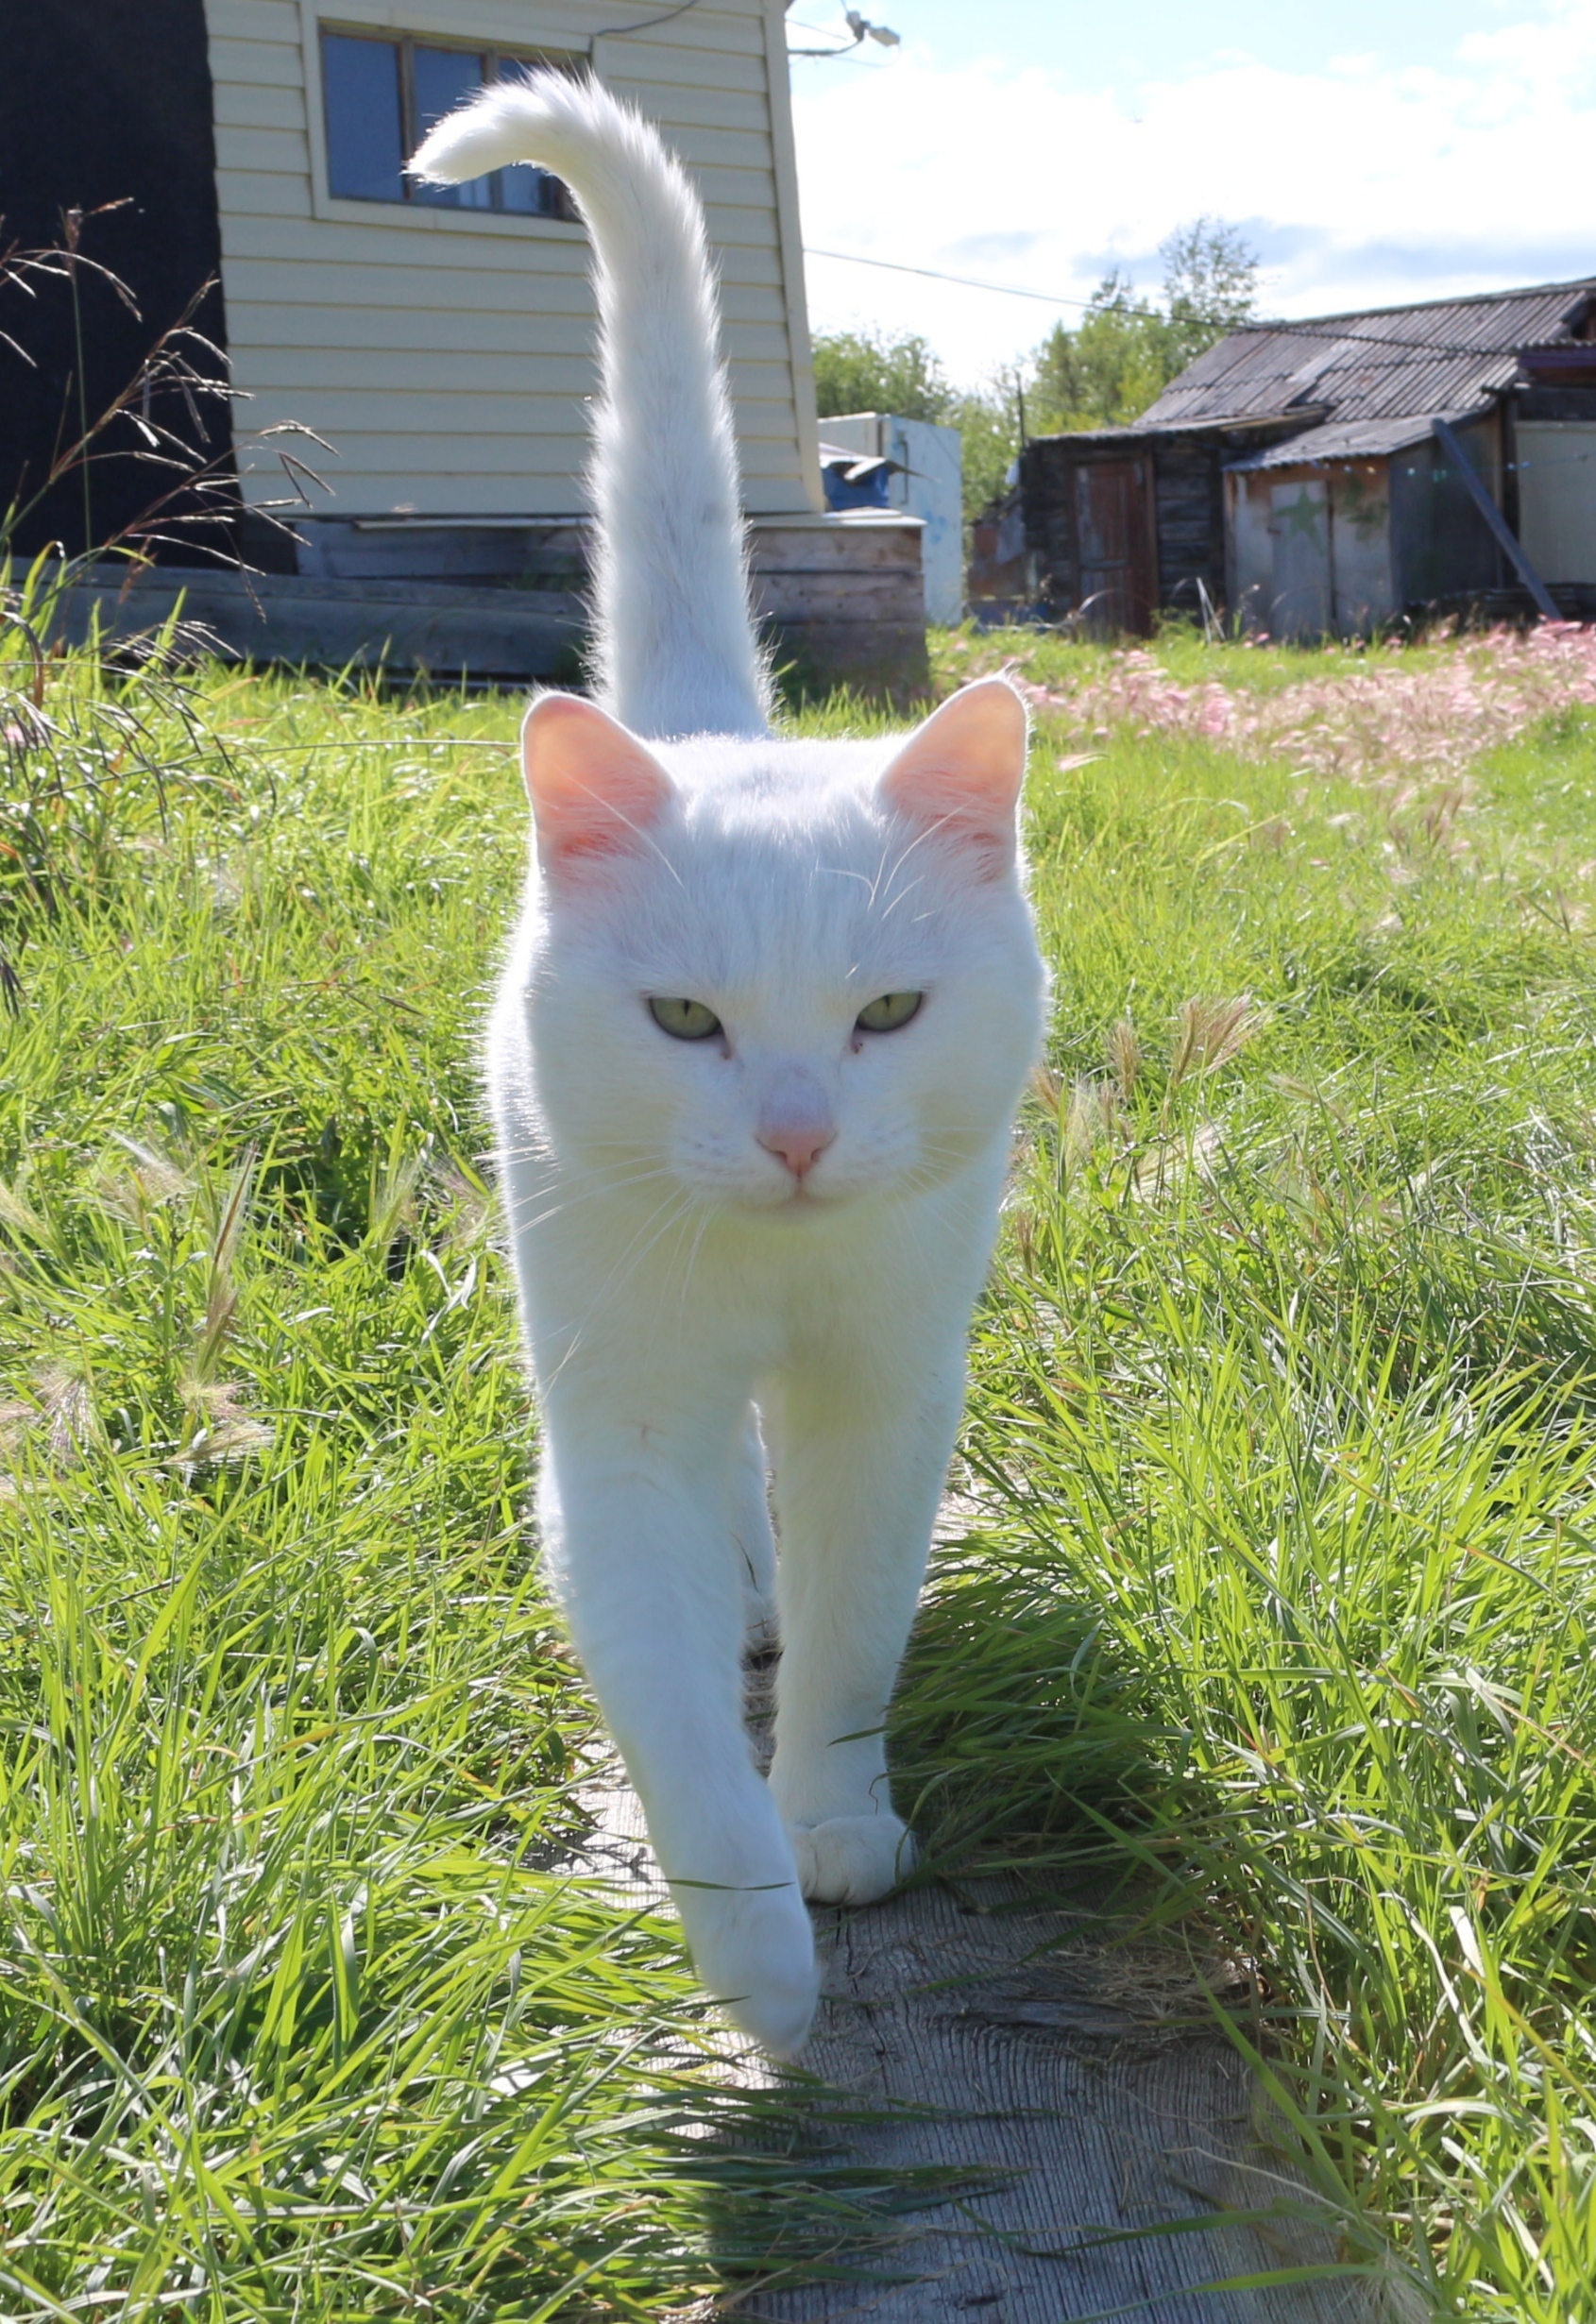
[{"x": 1370, "y": 151}]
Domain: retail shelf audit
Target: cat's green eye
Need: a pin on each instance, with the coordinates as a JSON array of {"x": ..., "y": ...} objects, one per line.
[
  {"x": 683, "y": 1020},
  {"x": 886, "y": 1015}
]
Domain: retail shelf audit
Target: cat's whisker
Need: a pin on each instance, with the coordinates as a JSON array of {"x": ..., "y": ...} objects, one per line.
[
  {"x": 614, "y": 1283},
  {"x": 902, "y": 897},
  {"x": 516, "y": 1220}
]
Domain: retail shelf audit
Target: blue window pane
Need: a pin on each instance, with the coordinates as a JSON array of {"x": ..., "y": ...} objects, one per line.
[
  {"x": 445, "y": 77},
  {"x": 529, "y": 191},
  {"x": 365, "y": 138}
]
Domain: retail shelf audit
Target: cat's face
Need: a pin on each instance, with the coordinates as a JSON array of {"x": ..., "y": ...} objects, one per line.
[{"x": 781, "y": 977}]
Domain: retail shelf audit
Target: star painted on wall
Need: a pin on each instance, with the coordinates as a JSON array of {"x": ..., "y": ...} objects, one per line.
[{"x": 1301, "y": 515}]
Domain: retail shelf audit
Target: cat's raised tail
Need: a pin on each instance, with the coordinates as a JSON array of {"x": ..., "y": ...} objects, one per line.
[{"x": 674, "y": 644}]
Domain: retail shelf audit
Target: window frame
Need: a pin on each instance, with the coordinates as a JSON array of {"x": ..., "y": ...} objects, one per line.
[{"x": 354, "y": 23}]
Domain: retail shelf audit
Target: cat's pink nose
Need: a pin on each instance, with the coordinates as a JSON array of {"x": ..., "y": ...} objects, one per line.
[
  {"x": 800, "y": 1144},
  {"x": 794, "y": 1121}
]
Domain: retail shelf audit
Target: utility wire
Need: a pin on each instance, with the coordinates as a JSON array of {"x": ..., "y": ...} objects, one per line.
[
  {"x": 851, "y": 258},
  {"x": 616, "y": 32},
  {"x": 1281, "y": 325}
]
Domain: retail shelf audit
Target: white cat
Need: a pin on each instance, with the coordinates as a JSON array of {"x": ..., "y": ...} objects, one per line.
[{"x": 753, "y": 1065}]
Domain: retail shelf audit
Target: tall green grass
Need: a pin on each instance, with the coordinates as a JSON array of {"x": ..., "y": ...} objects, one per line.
[
  {"x": 300, "y": 2016},
  {"x": 1281, "y": 1603},
  {"x": 1273, "y": 1613}
]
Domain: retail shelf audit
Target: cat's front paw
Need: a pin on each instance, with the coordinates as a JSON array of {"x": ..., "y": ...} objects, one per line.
[
  {"x": 755, "y": 1950},
  {"x": 852, "y": 1860}
]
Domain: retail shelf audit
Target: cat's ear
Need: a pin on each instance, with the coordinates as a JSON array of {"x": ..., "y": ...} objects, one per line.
[
  {"x": 960, "y": 773},
  {"x": 595, "y": 790}
]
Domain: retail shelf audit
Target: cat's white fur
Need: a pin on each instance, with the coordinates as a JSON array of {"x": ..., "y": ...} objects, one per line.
[{"x": 767, "y": 1243}]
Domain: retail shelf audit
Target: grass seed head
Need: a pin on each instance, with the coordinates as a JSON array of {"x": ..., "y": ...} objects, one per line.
[
  {"x": 1124, "y": 1057},
  {"x": 1092, "y": 1120},
  {"x": 1209, "y": 1033}
]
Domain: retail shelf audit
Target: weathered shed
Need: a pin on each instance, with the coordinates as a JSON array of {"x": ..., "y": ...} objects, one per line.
[
  {"x": 1331, "y": 475},
  {"x": 440, "y": 340}
]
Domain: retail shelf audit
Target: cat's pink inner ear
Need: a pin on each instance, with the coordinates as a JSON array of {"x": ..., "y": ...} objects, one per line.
[
  {"x": 595, "y": 789},
  {"x": 961, "y": 773}
]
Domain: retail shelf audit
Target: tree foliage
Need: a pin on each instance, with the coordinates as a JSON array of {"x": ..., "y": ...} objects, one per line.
[
  {"x": 1126, "y": 349},
  {"x": 878, "y": 371},
  {"x": 875, "y": 371}
]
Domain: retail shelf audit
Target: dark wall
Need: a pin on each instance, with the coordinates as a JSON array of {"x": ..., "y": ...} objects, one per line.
[
  {"x": 1441, "y": 547},
  {"x": 1555, "y": 403},
  {"x": 102, "y": 99},
  {"x": 1190, "y": 522},
  {"x": 1189, "y": 514}
]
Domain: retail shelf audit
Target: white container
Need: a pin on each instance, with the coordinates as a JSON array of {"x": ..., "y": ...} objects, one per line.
[{"x": 927, "y": 482}]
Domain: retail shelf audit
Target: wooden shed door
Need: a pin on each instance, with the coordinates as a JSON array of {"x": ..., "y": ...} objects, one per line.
[{"x": 1118, "y": 553}]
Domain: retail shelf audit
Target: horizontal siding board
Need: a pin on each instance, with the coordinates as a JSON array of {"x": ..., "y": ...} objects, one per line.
[
  {"x": 651, "y": 67},
  {"x": 532, "y": 450},
  {"x": 255, "y": 20},
  {"x": 317, "y": 259},
  {"x": 268, "y": 64},
  {"x": 734, "y": 202},
  {"x": 712, "y": 154},
  {"x": 681, "y": 104},
  {"x": 511, "y": 23},
  {"x": 496, "y": 337},
  {"x": 447, "y": 402},
  {"x": 313, "y": 263},
  {"x": 275, "y": 151},
  {"x": 367, "y": 380},
  {"x": 697, "y": 33},
  {"x": 257, "y": 104},
  {"x": 557, "y": 494}
]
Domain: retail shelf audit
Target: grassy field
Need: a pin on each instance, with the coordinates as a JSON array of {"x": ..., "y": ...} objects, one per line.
[{"x": 1283, "y": 1436}]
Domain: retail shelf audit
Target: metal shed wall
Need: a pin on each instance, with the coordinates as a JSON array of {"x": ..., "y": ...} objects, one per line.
[
  {"x": 446, "y": 354},
  {"x": 1310, "y": 548},
  {"x": 1441, "y": 547}
]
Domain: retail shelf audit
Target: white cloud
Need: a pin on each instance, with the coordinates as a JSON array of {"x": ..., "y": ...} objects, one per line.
[{"x": 1357, "y": 184}]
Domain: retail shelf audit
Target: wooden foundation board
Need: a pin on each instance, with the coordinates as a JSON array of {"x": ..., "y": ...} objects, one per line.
[{"x": 1115, "y": 2143}]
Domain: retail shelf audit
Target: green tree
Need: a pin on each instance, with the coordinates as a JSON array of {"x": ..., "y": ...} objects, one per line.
[
  {"x": 1108, "y": 369},
  {"x": 1210, "y": 285},
  {"x": 989, "y": 423},
  {"x": 1126, "y": 349},
  {"x": 878, "y": 371}
]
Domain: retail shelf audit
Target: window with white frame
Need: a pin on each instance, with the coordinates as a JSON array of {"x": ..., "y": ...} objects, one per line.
[{"x": 382, "y": 92}]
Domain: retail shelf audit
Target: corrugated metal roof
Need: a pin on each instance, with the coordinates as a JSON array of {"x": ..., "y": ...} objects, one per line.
[
  {"x": 1449, "y": 356},
  {"x": 1351, "y": 440}
]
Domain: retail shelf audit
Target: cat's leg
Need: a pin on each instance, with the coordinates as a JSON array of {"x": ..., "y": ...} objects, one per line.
[
  {"x": 644, "y": 1562},
  {"x": 861, "y": 1460},
  {"x": 755, "y": 1542}
]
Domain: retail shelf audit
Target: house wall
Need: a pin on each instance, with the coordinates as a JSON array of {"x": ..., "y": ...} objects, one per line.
[
  {"x": 1442, "y": 547},
  {"x": 1310, "y": 548},
  {"x": 104, "y": 102},
  {"x": 1558, "y": 496},
  {"x": 447, "y": 354}
]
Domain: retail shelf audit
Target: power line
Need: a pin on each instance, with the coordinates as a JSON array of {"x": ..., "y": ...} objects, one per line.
[
  {"x": 1255, "y": 325},
  {"x": 852, "y": 258},
  {"x": 617, "y": 32}
]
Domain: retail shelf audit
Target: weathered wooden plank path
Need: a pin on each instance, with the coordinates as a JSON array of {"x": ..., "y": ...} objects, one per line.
[{"x": 1118, "y": 2147}]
